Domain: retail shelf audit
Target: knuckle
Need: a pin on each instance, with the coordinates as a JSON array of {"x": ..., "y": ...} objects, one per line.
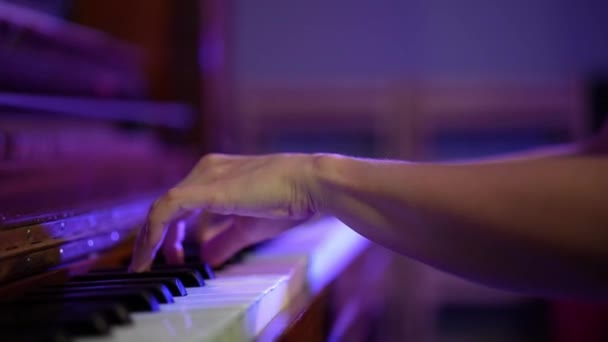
[
  {"x": 157, "y": 204},
  {"x": 162, "y": 204},
  {"x": 207, "y": 162},
  {"x": 301, "y": 204},
  {"x": 168, "y": 197},
  {"x": 172, "y": 195},
  {"x": 216, "y": 171},
  {"x": 211, "y": 159},
  {"x": 165, "y": 200}
]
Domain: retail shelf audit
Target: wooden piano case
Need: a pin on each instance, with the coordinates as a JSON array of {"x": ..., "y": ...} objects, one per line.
[
  {"x": 103, "y": 106},
  {"x": 86, "y": 139}
]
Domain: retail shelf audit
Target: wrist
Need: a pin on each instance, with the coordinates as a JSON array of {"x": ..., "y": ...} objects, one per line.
[{"x": 328, "y": 173}]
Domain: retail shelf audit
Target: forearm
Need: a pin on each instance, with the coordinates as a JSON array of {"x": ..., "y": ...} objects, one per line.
[{"x": 527, "y": 224}]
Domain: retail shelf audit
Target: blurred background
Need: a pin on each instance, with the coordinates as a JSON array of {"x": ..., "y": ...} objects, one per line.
[{"x": 408, "y": 79}]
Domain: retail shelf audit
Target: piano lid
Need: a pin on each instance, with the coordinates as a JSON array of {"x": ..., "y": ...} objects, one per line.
[{"x": 41, "y": 53}]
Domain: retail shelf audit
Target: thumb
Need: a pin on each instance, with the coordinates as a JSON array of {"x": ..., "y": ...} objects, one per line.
[
  {"x": 225, "y": 243},
  {"x": 239, "y": 234}
]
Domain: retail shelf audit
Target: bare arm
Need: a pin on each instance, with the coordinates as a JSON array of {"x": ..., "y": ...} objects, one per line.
[
  {"x": 537, "y": 225},
  {"x": 534, "y": 223}
]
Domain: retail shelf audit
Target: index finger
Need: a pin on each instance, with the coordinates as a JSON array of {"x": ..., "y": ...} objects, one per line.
[{"x": 164, "y": 211}]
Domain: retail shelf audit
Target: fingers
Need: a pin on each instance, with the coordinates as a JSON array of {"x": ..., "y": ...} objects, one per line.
[
  {"x": 225, "y": 243},
  {"x": 182, "y": 199},
  {"x": 142, "y": 254},
  {"x": 208, "y": 169},
  {"x": 177, "y": 201},
  {"x": 172, "y": 247},
  {"x": 237, "y": 234},
  {"x": 210, "y": 226}
]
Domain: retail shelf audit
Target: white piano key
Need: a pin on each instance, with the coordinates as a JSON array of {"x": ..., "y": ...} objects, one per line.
[
  {"x": 239, "y": 307},
  {"x": 245, "y": 297}
]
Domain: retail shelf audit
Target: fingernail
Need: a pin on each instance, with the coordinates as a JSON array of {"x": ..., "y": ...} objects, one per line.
[{"x": 138, "y": 267}]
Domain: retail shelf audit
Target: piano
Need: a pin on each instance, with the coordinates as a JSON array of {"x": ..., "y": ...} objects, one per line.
[{"x": 91, "y": 132}]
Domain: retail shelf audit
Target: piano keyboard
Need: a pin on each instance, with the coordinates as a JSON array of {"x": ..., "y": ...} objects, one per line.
[{"x": 235, "y": 304}]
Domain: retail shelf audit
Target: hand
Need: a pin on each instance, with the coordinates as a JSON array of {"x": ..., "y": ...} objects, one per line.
[
  {"x": 278, "y": 186},
  {"x": 221, "y": 236}
]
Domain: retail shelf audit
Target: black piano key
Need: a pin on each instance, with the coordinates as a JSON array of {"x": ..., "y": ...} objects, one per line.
[
  {"x": 159, "y": 291},
  {"x": 175, "y": 286},
  {"x": 133, "y": 300},
  {"x": 91, "y": 324},
  {"x": 190, "y": 278},
  {"x": 192, "y": 251},
  {"x": 191, "y": 259},
  {"x": 39, "y": 334},
  {"x": 74, "y": 322},
  {"x": 204, "y": 269},
  {"x": 114, "y": 313}
]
